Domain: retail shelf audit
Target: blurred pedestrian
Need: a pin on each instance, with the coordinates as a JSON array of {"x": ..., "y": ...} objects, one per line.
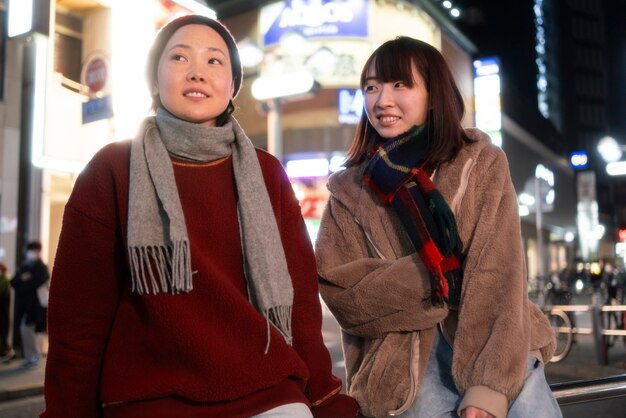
[
  {"x": 184, "y": 282},
  {"x": 29, "y": 312},
  {"x": 610, "y": 281},
  {"x": 6, "y": 349},
  {"x": 420, "y": 256}
]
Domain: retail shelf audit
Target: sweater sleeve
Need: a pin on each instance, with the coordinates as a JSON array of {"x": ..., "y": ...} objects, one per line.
[
  {"x": 370, "y": 296},
  {"x": 323, "y": 388},
  {"x": 493, "y": 335},
  {"x": 84, "y": 293}
]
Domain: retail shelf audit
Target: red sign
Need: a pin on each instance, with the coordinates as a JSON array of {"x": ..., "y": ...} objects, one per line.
[
  {"x": 96, "y": 75},
  {"x": 169, "y": 10},
  {"x": 621, "y": 235}
]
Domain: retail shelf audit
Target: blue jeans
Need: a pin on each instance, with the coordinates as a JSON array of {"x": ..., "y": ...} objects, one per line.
[{"x": 439, "y": 397}]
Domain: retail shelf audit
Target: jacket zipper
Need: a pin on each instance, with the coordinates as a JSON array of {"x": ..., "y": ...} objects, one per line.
[
  {"x": 412, "y": 373},
  {"x": 460, "y": 193},
  {"x": 413, "y": 376},
  {"x": 370, "y": 240}
]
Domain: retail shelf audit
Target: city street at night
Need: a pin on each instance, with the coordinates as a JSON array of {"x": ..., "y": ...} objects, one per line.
[{"x": 180, "y": 180}]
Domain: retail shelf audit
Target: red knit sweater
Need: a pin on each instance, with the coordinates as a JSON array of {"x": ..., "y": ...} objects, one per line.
[{"x": 198, "y": 354}]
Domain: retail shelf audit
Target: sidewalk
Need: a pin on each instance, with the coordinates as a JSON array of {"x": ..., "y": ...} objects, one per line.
[{"x": 16, "y": 383}]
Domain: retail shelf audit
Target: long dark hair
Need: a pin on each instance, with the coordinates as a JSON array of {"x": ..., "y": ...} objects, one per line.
[
  {"x": 164, "y": 35},
  {"x": 394, "y": 61}
]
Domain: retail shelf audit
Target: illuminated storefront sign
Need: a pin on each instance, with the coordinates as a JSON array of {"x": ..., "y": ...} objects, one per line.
[
  {"x": 587, "y": 216},
  {"x": 579, "y": 160},
  {"x": 70, "y": 126},
  {"x": 487, "y": 98},
  {"x": 350, "y": 106},
  {"x": 332, "y": 39},
  {"x": 97, "y": 109},
  {"x": 620, "y": 250},
  {"x": 308, "y": 174},
  {"x": 314, "y": 19},
  {"x": 95, "y": 75},
  {"x": 308, "y": 177},
  {"x": 26, "y": 17},
  {"x": 310, "y": 167}
]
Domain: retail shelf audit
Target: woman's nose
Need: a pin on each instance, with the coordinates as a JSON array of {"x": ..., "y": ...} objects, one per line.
[
  {"x": 384, "y": 99},
  {"x": 196, "y": 75}
]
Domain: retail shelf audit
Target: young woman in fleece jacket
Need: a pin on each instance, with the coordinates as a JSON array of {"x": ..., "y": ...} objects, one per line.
[{"x": 420, "y": 256}]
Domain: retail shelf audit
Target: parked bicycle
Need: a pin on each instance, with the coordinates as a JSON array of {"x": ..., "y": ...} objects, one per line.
[
  {"x": 562, "y": 320},
  {"x": 563, "y": 329}
]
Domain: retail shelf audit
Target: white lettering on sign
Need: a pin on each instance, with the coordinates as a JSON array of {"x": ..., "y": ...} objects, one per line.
[
  {"x": 314, "y": 13},
  {"x": 96, "y": 75}
]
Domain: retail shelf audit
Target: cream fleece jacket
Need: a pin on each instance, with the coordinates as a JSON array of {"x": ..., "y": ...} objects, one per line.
[{"x": 378, "y": 289}]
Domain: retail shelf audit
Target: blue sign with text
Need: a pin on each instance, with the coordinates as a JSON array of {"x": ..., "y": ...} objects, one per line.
[
  {"x": 579, "y": 160},
  {"x": 97, "y": 109},
  {"x": 316, "y": 19},
  {"x": 350, "y": 106}
]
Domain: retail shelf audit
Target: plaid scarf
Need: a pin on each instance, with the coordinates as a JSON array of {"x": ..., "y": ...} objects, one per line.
[{"x": 399, "y": 174}]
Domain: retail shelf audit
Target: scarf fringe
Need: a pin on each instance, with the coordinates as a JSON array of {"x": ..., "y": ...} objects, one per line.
[
  {"x": 280, "y": 318},
  {"x": 161, "y": 269}
]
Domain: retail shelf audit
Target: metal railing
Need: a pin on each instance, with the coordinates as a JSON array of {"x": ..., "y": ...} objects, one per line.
[
  {"x": 579, "y": 391},
  {"x": 597, "y": 330}
]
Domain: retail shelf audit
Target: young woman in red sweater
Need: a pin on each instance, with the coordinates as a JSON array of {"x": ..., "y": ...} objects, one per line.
[{"x": 185, "y": 283}]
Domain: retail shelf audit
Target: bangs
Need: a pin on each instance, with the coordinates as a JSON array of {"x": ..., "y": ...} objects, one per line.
[{"x": 392, "y": 63}]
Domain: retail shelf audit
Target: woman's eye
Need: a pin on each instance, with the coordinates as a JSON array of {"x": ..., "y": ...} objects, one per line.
[
  {"x": 369, "y": 88},
  {"x": 399, "y": 84},
  {"x": 215, "y": 61},
  {"x": 178, "y": 57}
]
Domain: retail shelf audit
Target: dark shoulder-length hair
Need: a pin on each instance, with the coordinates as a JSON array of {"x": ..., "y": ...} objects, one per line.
[
  {"x": 394, "y": 61},
  {"x": 164, "y": 35}
]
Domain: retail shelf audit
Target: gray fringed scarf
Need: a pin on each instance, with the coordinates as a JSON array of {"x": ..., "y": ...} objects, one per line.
[{"x": 158, "y": 243}]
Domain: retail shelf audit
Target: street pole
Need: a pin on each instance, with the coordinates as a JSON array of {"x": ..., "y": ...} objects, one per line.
[
  {"x": 274, "y": 129},
  {"x": 539, "y": 225}
]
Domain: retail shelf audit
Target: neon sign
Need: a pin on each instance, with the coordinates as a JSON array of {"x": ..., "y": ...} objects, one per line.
[{"x": 314, "y": 19}]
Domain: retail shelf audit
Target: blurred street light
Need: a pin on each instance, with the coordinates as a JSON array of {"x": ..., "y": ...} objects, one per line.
[
  {"x": 283, "y": 85},
  {"x": 283, "y": 78},
  {"x": 598, "y": 231},
  {"x": 609, "y": 149},
  {"x": 251, "y": 55},
  {"x": 26, "y": 17},
  {"x": 611, "y": 152},
  {"x": 274, "y": 89},
  {"x": 526, "y": 199},
  {"x": 616, "y": 168}
]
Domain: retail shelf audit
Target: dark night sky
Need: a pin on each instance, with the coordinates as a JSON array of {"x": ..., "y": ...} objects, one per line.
[
  {"x": 506, "y": 29},
  {"x": 503, "y": 28},
  {"x": 616, "y": 34}
]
